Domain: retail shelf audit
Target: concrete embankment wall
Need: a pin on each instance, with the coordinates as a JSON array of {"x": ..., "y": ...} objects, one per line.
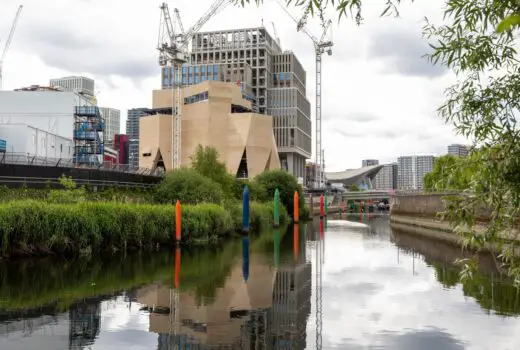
[{"x": 418, "y": 214}]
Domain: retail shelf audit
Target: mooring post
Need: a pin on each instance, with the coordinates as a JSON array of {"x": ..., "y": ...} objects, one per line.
[
  {"x": 296, "y": 206},
  {"x": 245, "y": 210},
  {"x": 326, "y": 205},
  {"x": 276, "y": 209},
  {"x": 178, "y": 221}
]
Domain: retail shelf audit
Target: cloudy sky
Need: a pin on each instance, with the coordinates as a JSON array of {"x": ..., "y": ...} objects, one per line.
[{"x": 379, "y": 95}]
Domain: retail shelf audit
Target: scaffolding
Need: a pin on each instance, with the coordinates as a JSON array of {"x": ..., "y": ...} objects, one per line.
[{"x": 88, "y": 136}]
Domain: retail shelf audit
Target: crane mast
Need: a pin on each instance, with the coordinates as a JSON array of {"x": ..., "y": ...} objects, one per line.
[
  {"x": 8, "y": 43},
  {"x": 173, "y": 52},
  {"x": 321, "y": 46}
]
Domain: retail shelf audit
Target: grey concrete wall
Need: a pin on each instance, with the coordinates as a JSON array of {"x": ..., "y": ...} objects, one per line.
[{"x": 426, "y": 206}]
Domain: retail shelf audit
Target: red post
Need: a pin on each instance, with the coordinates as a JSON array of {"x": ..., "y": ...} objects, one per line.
[
  {"x": 178, "y": 221},
  {"x": 322, "y": 207}
]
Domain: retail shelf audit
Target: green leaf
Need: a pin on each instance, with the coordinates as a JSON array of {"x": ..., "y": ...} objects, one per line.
[{"x": 508, "y": 23}]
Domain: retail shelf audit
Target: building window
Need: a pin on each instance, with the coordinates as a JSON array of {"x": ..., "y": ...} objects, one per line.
[
  {"x": 215, "y": 69},
  {"x": 190, "y": 70},
  {"x": 197, "y": 80},
  {"x": 184, "y": 70},
  {"x": 196, "y": 69},
  {"x": 203, "y": 69},
  {"x": 196, "y": 98}
]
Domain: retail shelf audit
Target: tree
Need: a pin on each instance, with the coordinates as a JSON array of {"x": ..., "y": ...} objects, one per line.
[
  {"x": 449, "y": 173},
  {"x": 188, "y": 186},
  {"x": 206, "y": 162},
  {"x": 286, "y": 184},
  {"x": 354, "y": 188}
]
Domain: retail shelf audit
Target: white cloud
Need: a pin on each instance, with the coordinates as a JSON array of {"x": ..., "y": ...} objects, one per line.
[{"x": 113, "y": 41}]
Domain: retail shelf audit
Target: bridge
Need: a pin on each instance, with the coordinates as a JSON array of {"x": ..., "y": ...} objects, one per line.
[{"x": 368, "y": 195}]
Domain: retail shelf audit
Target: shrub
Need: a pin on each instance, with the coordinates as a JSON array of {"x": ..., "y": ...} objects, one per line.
[
  {"x": 286, "y": 184},
  {"x": 206, "y": 162},
  {"x": 256, "y": 190},
  {"x": 189, "y": 186}
]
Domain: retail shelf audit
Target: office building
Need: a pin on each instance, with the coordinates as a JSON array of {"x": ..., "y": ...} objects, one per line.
[
  {"x": 214, "y": 114},
  {"x": 112, "y": 122},
  {"x": 80, "y": 85},
  {"x": 369, "y": 162},
  {"x": 273, "y": 80},
  {"x": 458, "y": 150},
  {"x": 132, "y": 130},
  {"x": 411, "y": 171},
  {"x": 386, "y": 178}
]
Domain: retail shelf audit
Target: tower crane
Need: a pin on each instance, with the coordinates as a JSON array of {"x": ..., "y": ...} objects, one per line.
[
  {"x": 321, "y": 46},
  {"x": 8, "y": 43},
  {"x": 173, "y": 51}
]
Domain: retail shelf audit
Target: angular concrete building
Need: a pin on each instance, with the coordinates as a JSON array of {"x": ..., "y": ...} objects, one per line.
[
  {"x": 272, "y": 79},
  {"x": 214, "y": 114}
]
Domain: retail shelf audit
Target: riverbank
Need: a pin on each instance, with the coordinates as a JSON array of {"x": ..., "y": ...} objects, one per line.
[
  {"x": 30, "y": 227},
  {"x": 418, "y": 213}
]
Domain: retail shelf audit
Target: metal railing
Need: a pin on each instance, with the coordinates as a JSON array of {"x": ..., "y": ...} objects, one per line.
[
  {"x": 27, "y": 159},
  {"x": 44, "y": 181}
]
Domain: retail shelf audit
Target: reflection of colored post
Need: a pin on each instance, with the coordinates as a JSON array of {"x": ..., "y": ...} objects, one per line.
[
  {"x": 245, "y": 210},
  {"x": 326, "y": 220},
  {"x": 296, "y": 206},
  {"x": 276, "y": 248},
  {"x": 322, "y": 228},
  {"x": 296, "y": 241},
  {"x": 276, "y": 209},
  {"x": 177, "y": 267},
  {"x": 326, "y": 205},
  {"x": 322, "y": 209},
  {"x": 245, "y": 257},
  {"x": 178, "y": 221}
]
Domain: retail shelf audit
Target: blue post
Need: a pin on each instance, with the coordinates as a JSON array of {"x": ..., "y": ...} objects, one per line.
[
  {"x": 245, "y": 210},
  {"x": 245, "y": 257}
]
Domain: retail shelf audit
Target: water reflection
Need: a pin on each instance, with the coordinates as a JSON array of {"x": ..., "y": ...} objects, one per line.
[{"x": 315, "y": 286}]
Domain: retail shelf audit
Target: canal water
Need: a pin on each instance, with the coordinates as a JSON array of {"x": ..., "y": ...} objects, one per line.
[{"x": 354, "y": 284}]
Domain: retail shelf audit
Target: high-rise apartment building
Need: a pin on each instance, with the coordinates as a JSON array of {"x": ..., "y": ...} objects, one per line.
[
  {"x": 80, "y": 85},
  {"x": 132, "y": 130},
  {"x": 411, "y": 171},
  {"x": 369, "y": 162},
  {"x": 458, "y": 150},
  {"x": 272, "y": 79},
  {"x": 112, "y": 119},
  {"x": 386, "y": 178}
]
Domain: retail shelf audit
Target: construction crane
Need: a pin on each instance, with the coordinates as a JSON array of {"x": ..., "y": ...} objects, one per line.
[
  {"x": 173, "y": 51},
  {"x": 8, "y": 43},
  {"x": 276, "y": 34},
  {"x": 321, "y": 46}
]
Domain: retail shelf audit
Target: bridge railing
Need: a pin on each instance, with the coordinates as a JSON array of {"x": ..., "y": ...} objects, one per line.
[
  {"x": 44, "y": 181},
  {"x": 26, "y": 159}
]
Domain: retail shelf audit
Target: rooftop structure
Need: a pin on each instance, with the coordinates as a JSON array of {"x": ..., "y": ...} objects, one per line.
[
  {"x": 354, "y": 176},
  {"x": 80, "y": 85}
]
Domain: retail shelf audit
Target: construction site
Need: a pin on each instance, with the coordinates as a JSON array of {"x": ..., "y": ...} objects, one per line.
[{"x": 271, "y": 78}]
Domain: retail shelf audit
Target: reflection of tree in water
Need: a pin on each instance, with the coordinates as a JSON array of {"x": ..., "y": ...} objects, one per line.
[
  {"x": 85, "y": 322},
  {"x": 490, "y": 292}
]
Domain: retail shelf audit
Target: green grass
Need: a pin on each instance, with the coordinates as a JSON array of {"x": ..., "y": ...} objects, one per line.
[{"x": 36, "y": 227}]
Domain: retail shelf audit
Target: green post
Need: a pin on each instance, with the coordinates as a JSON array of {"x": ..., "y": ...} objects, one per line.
[
  {"x": 276, "y": 208},
  {"x": 326, "y": 204}
]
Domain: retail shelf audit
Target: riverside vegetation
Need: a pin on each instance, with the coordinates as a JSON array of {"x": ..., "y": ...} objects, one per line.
[{"x": 75, "y": 220}]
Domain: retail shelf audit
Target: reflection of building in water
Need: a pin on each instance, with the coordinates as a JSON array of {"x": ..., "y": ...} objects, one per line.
[
  {"x": 219, "y": 322},
  {"x": 292, "y": 303},
  {"x": 84, "y": 323}
]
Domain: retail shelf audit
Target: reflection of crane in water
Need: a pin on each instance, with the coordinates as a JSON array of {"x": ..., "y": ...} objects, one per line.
[{"x": 317, "y": 242}]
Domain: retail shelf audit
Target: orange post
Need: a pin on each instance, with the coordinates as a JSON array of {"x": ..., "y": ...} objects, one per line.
[
  {"x": 296, "y": 205},
  {"x": 177, "y": 267},
  {"x": 178, "y": 221}
]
